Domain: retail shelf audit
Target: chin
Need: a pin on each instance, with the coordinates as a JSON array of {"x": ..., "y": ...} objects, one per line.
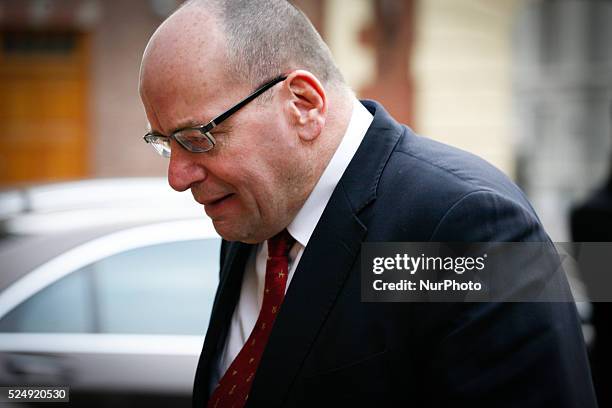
[
  {"x": 242, "y": 231},
  {"x": 231, "y": 233}
]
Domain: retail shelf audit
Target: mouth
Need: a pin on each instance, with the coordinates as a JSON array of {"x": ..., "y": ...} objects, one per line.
[{"x": 215, "y": 201}]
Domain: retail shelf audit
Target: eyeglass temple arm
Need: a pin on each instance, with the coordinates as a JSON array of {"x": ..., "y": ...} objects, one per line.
[{"x": 246, "y": 100}]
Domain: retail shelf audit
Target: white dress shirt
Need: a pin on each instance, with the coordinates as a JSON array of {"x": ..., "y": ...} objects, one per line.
[{"x": 301, "y": 228}]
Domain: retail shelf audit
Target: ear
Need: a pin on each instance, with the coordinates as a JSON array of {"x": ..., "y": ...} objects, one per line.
[{"x": 306, "y": 105}]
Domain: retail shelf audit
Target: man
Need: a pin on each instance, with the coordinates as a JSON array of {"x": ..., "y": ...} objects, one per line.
[{"x": 295, "y": 178}]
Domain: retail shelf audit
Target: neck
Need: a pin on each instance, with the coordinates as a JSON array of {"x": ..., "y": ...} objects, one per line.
[
  {"x": 316, "y": 159},
  {"x": 338, "y": 118}
]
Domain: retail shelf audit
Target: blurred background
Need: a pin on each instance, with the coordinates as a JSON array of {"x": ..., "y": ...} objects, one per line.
[{"x": 526, "y": 84}]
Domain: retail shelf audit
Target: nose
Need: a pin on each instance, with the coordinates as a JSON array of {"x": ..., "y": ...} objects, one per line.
[{"x": 184, "y": 168}]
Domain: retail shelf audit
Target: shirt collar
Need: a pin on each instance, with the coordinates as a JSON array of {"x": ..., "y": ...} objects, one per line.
[{"x": 303, "y": 225}]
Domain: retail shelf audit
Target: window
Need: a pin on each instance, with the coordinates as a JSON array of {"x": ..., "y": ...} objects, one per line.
[
  {"x": 160, "y": 289},
  {"x": 63, "y": 307}
]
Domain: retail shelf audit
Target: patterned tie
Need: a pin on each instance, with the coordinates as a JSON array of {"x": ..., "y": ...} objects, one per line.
[{"x": 234, "y": 386}]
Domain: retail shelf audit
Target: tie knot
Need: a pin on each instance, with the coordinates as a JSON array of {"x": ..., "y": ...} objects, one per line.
[{"x": 280, "y": 244}]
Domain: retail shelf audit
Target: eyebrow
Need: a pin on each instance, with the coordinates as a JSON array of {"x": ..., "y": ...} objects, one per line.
[
  {"x": 191, "y": 123},
  {"x": 186, "y": 124},
  {"x": 182, "y": 125},
  {"x": 221, "y": 128}
]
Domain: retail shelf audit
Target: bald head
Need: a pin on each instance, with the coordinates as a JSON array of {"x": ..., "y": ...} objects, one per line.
[{"x": 260, "y": 39}]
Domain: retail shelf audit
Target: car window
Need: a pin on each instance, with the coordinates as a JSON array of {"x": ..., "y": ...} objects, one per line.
[
  {"x": 64, "y": 306},
  {"x": 166, "y": 288},
  {"x": 160, "y": 289}
]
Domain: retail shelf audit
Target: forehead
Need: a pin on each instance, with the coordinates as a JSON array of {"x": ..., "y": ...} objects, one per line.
[
  {"x": 183, "y": 79},
  {"x": 178, "y": 60}
]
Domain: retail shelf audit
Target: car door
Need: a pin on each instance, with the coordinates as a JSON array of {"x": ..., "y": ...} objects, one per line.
[{"x": 123, "y": 330}]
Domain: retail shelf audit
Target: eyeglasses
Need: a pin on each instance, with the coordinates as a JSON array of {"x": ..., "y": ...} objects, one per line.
[{"x": 198, "y": 139}]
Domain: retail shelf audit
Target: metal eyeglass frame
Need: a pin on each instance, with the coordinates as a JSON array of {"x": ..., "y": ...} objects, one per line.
[{"x": 161, "y": 143}]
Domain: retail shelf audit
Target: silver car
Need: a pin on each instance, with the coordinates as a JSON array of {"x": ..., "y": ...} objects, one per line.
[{"x": 117, "y": 311}]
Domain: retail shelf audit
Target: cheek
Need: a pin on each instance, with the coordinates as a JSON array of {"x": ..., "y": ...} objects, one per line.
[
  {"x": 265, "y": 186},
  {"x": 260, "y": 161}
]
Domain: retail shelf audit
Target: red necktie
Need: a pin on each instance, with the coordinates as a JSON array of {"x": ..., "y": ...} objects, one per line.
[{"x": 234, "y": 386}]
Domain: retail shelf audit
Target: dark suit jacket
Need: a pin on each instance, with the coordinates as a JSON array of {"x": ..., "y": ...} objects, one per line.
[{"x": 328, "y": 348}]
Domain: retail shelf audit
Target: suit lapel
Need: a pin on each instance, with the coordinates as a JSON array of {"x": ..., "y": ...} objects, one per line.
[
  {"x": 223, "y": 308},
  {"x": 325, "y": 265}
]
